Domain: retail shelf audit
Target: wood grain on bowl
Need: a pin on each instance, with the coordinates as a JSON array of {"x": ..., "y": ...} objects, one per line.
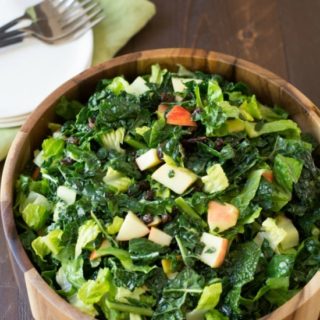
[{"x": 271, "y": 89}]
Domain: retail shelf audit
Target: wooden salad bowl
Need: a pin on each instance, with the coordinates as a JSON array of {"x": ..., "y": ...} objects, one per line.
[{"x": 271, "y": 89}]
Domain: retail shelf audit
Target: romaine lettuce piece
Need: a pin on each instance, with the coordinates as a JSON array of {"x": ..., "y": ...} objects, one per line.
[
  {"x": 210, "y": 297},
  {"x": 85, "y": 308},
  {"x": 51, "y": 243},
  {"x": 214, "y": 92},
  {"x": 52, "y": 147},
  {"x": 116, "y": 180},
  {"x": 35, "y": 215},
  {"x": 118, "y": 85},
  {"x": 87, "y": 232},
  {"x": 112, "y": 140},
  {"x": 93, "y": 290},
  {"x": 285, "y": 127},
  {"x": 215, "y": 180},
  {"x": 157, "y": 74},
  {"x": 115, "y": 226},
  {"x": 287, "y": 171}
]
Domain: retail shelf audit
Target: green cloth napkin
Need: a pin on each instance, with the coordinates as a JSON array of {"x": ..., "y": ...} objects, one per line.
[{"x": 124, "y": 18}]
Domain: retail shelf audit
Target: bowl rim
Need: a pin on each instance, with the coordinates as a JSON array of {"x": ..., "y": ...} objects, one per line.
[{"x": 16, "y": 251}]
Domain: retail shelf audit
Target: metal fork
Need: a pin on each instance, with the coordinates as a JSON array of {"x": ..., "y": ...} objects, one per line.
[{"x": 54, "y": 21}]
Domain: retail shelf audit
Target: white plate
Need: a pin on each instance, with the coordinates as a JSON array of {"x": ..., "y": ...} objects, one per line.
[
  {"x": 12, "y": 124},
  {"x": 31, "y": 70},
  {"x": 10, "y": 119}
]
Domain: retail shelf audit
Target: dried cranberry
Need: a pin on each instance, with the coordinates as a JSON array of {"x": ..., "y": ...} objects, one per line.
[
  {"x": 91, "y": 123},
  {"x": 67, "y": 161},
  {"x": 149, "y": 195},
  {"x": 219, "y": 144}
]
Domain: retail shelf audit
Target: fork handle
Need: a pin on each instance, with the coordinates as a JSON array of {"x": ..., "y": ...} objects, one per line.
[
  {"x": 13, "y": 22},
  {"x": 9, "y": 41},
  {"x": 10, "y": 34}
]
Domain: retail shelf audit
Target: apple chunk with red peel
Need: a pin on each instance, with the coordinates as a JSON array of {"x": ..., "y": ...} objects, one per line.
[
  {"x": 132, "y": 228},
  {"x": 158, "y": 236},
  {"x": 180, "y": 116},
  {"x": 222, "y": 216},
  {"x": 214, "y": 251}
]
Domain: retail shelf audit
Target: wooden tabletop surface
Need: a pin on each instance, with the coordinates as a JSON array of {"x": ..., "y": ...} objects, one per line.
[{"x": 280, "y": 35}]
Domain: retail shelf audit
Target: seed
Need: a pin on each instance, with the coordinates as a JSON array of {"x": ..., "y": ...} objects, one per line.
[
  {"x": 160, "y": 153},
  {"x": 147, "y": 218}
]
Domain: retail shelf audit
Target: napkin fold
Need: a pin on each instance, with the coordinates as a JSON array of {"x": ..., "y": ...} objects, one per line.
[{"x": 124, "y": 18}]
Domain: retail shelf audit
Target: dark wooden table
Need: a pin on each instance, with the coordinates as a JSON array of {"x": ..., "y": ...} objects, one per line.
[{"x": 281, "y": 35}]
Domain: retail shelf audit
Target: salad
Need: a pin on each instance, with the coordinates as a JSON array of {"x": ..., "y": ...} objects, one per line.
[{"x": 172, "y": 196}]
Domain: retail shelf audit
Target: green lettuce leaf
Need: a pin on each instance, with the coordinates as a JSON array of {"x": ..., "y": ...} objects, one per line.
[
  {"x": 52, "y": 147},
  {"x": 112, "y": 140},
  {"x": 214, "y": 92},
  {"x": 116, "y": 180},
  {"x": 118, "y": 85},
  {"x": 87, "y": 233},
  {"x": 210, "y": 297},
  {"x": 124, "y": 257},
  {"x": 249, "y": 191},
  {"x": 157, "y": 74},
  {"x": 287, "y": 171},
  {"x": 285, "y": 127},
  {"x": 93, "y": 290},
  {"x": 51, "y": 243},
  {"x": 35, "y": 216}
]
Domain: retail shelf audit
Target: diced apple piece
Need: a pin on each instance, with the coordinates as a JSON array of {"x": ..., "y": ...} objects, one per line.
[
  {"x": 222, "y": 216},
  {"x": 268, "y": 175},
  {"x": 158, "y": 236},
  {"x": 180, "y": 116},
  {"x": 104, "y": 244},
  {"x": 162, "y": 108},
  {"x": 177, "y": 84},
  {"x": 148, "y": 160},
  {"x": 155, "y": 222},
  {"x": 291, "y": 238},
  {"x": 132, "y": 228},
  {"x": 138, "y": 87},
  {"x": 175, "y": 178},
  {"x": 67, "y": 194},
  {"x": 166, "y": 266},
  {"x": 214, "y": 251},
  {"x": 167, "y": 269}
]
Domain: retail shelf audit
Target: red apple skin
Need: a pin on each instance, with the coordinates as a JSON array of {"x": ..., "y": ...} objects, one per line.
[
  {"x": 216, "y": 258},
  {"x": 268, "y": 175},
  {"x": 222, "y": 215},
  {"x": 180, "y": 116},
  {"x": 222, "y": 254}
]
